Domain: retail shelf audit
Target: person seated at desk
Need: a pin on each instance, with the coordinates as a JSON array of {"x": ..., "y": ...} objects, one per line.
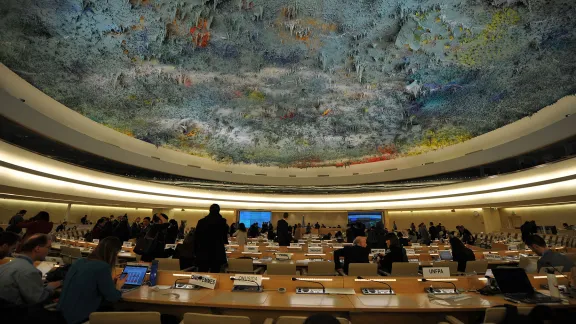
[
  {"x": 20, "y": 281},
  {"x": 548, "y": 258},
  {"x": 241, "y": 234},
  {"x": 396, "y": 254},
  {"x": 61, "y": 227},
  {"x": 461, "y": 254},
  {"x": 185, "y": 252},
  {"x": 403, "y": 241},
  {"x": 89, "y": 282},
  {"x": 8, "y": 243},
  {"x": 357, "y": 253}
]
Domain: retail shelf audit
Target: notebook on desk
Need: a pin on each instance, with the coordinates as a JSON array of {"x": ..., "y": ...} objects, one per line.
[{"x": 515, "y": 285}]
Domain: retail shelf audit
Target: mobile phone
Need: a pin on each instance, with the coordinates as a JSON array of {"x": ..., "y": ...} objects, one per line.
[{"x": 123, "y": 275}]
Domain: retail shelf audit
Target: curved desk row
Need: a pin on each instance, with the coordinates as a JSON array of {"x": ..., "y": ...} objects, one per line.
[{"x": 409, "y": 303}]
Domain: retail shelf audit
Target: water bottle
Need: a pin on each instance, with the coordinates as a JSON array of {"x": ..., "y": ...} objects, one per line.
[{"x": 153, "y": 272}]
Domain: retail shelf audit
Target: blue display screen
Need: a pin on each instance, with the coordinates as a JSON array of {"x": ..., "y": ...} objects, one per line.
[
  {"x": 368, "y": 218},
  {"x": 250, "y": 217}
]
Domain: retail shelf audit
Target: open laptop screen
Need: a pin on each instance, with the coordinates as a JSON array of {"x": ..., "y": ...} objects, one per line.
[
  {"x": 512, "y": 280},
  {"x": 135, "y": 275}
]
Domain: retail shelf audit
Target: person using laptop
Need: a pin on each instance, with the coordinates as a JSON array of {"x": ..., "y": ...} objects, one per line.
[
  {"x": 548, "y": 258},
  {"x": 461, "y": 254},
  {"x": 89, "y": 281}
]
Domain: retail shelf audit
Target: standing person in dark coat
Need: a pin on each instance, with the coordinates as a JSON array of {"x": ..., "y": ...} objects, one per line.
[
  {"x": 264, "y": 227},
  {"x": 172, "y": 232},
  {"x": 158, "y": 230},
  {"x": 377, "y": 237},
  {"x": 433, "y": 232},
  {"x": 233, "y": 229},
  {"x": 122, "y": 231},
  {"x": 282, "y": 231},
  {"x": 135, "y": 229},
  {"x": 349, "y": 234},
  {"x": 210, "y": 237}
]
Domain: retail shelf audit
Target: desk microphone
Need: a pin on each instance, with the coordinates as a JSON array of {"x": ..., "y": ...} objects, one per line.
[
  {"x": 380, "y": 282},
  {"x": 256, "y": 282},
  {"x": 318, "y": 282},
  {"x": 432, "y": 291}
]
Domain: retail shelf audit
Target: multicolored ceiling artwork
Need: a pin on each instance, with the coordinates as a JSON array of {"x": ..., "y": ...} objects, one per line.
[{"x": 296, "y": 83}]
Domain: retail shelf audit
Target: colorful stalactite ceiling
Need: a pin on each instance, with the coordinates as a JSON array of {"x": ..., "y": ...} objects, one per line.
[{"x": 302, "y": 83}]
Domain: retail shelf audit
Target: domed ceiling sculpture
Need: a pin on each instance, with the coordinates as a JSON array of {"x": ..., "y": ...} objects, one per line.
[{"x": 296, "y": 83}]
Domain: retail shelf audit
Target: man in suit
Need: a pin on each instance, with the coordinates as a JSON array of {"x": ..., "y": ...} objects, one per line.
[
  {"x": 282, "y": 231},
  {"x": 358, "y": 253},
  {"x": 210, "y": 237},
  {"x": 548, "y": 258}
]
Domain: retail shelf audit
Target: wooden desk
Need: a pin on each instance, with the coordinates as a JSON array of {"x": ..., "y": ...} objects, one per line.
[{"x": 410, "y": 302}]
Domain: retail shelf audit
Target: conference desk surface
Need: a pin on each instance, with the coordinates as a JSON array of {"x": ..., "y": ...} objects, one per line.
[{"x": 409, "y": 303}]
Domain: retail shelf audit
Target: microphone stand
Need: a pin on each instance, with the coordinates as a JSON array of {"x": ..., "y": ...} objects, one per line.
[
  {"x": 317, "y": 282},
  {"x": 431, "y": 289},
  {"x": 383, "y": 283}
]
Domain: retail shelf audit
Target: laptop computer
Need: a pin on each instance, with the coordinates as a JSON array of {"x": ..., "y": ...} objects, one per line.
[
  {"x": 445, "y": 255},
  {"x": 134, "y": 277},
  {"x": 515, "y": 285}
]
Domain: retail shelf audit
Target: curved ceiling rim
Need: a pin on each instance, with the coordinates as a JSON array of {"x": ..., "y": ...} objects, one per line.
[
  {"x": 16, "y": 179},
  {"x": 23, "y": 114},
  {"x": 35, "y": 195},
  {"x": 56, "y": 177},
  {"x": 249, "y": 174},
  {"x": 17, "y": 156}
]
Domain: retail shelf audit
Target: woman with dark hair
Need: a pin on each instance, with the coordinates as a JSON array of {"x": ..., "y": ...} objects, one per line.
[
  {"x": 89, "y": 282},
  {"x": 396, "y": 254},
  {"x": 185, "y": 252},
  {"x": 460, "y": 253},
  {"x": 39, "y": 224},
  {"x": 241, "y": 235}
]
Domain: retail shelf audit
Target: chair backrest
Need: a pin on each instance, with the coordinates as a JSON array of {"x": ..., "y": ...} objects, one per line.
[
  {"x": 301, "y": 320},
  {"x": 363, "y": 269},
  {"x": 193, "y": 318},
  {"x": 125, "y": 317},
  {"x": 240, "y": 265},
  {"x": 321, "y": 268},
  {"x": 286, "y": 269},
  {"x": 69, "y": 254},
  {"x": 528, "y": 264},
  {"x": 453, "y": 266},
  {"x": 168, "y": 264},
  {"x": 405, "y": 269},
  {"x": 497, "y": 314},
  {"x": 478, "y": 266}
]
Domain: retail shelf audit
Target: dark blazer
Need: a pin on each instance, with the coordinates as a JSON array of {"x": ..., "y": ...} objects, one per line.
[
  {"x": 283, "y": 233},
  {"x": 462, "y": 258},
  {"x": 396, "y": 254},
  {"x": 210, "y": 237},
  {"x": 351, "y": 254}
]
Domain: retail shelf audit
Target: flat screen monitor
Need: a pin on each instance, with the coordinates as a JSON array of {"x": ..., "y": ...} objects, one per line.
[
  {"x": 367, "y": 218},
  {"x": 249, "y": 217}
]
